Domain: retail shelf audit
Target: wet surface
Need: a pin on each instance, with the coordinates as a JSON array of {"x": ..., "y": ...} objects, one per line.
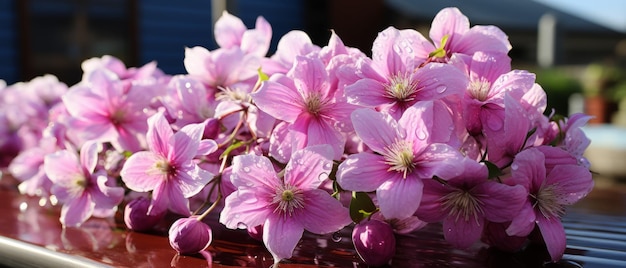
[{"x": 595, "y": 228}]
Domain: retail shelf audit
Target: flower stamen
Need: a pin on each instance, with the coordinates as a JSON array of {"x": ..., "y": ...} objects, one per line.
[
  {"x": 401, "y": 88},
  {"x": 547, "y": 200},
  {"x": 480, "y": 89},
  {"x": 287, "y": 199},
  {"x": 462, "y": 203},
  {"x": 314, "y": 103},
  {"x": 399, "y": 156}
]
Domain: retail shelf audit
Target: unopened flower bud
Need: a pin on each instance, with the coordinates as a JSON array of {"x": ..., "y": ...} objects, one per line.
[
  {"x": 190, "y": 235},
  {"x": 136, "y": 215},
  {"x": 374, "y": 241}
]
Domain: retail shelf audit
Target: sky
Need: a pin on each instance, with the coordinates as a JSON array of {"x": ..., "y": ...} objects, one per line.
[{"x": 609, "y": 13}]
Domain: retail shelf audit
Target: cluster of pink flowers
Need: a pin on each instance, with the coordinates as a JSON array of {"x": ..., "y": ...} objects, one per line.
[{"x": 310, "y": 138}]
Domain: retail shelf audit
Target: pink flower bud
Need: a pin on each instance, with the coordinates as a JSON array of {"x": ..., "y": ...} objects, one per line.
[
  {"x": 190, "y": 235},
  {"x": 374, "y": 241},
  {"x": 136, "y": 215}
]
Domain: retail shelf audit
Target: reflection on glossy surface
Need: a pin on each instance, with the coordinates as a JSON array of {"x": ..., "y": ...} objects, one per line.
[{"x": 595, "y": 235}]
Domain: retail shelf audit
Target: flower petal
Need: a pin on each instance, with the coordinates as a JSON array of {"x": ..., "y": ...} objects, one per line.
[
  {"x": 309, "y": 167},
  {"x": 524, "y": 222},
  {"x": 449, "y": 21},
  {"x": 462, "y": 233},
  {"x": 399, "y": 197},
  {"x": 62, "y": 167},
  {"x": 573, "y": 181},
  {"x": 322, "y": 213},
  {"x": 244, "y": 207},
  {"x": 184, "y": 144},
  {"x": 281, "y": 236},
  {"x": 362, "y": 172},
  {"x": 228, "y": 30},
  {"x": 178, "y": 203},
  {"x": 377, "y": 130},
  {"x": 105, "y": 195},
  {"x": 366, "y": 92},
  {"x": 501, "y": 202},
  {"x": 553, "y": 235},
  {"x": 89, "y": 155},
  {"x": 439, "y": 160},
  {"x": 310, "y": 76},
  {"x": 279, "y": 101},
  {"x": 159, "y": 134},
  {"x": 253, "y": 171},
  {"x": 140, "y": 174},
  {"x": 321, "y": 132},
  {"x": 77, "y": 210},
  {"x": 438, "y": 80},
  {"x": 431, "y": 208}
]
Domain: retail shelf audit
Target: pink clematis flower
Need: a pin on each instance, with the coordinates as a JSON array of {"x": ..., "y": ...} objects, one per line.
[
  {"x": 574, "y": 139},
  {"x": 82, "y": 190},
  {"x": 451, "y": 32},
  {"x": 402, "y": 157},
  {"x": 285, "y": 206},
  {"x": 222, "y": 67},
  {"x": 393, "y": 80},
  {"x": 115, "y": 65},
  {"x": 231, "y": 32},
  {"x": 104, "y": 109},
  {"x": 168, "y": 169},
  {"x": 308, "y": 103},
  {"x": 554, "y": 180},
  {"x": 466, "y": 202}
]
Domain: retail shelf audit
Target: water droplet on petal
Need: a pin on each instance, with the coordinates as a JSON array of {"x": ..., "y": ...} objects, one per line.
[
  {"x": 421, "y": 133},
  {"x": 246, "y": 169},
  {"x": 328, "y": 165},
  {"x": 441, "y": 89},
  {"x": 242, "y": 225},
  {"x": 514, "y": 166},
  {"x": 336, "y": 237}
]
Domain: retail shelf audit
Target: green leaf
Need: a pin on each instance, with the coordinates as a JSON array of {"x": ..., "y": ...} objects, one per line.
[
  {"x": 262, "y": 76},
  {"x": 361, "y": 206},
  {"x": 494, "y": 171},
  {"x": 440, "y": 52}
]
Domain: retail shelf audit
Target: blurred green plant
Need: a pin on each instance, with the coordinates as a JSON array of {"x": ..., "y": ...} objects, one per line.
[
  {"x": 606, "y": 80},
  {"x": 559, "y": 84}
]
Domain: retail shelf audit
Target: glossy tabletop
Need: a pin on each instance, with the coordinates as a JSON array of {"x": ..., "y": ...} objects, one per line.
[{"x": 31, "y": 235}]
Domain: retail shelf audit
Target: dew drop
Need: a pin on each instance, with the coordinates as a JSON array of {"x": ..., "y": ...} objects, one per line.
[
  {"x": 328, "y": 165},
  {"x": 242, "y": 225},
  {"x": 441, "y": 89},
  {"x": 23, "y": 206},
  {"x": 421, "y": 133},
  {"x": 336, "y": 237},
  {"x": 514, "y": 166},
  {"x": 246, "y": 169}
]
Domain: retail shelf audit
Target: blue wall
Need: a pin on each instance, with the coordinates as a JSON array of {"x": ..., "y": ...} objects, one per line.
[
  {"x": 284, "y": 16},
  {"x": 9, "y": 61},
  {"x": 166, "y": 27}
]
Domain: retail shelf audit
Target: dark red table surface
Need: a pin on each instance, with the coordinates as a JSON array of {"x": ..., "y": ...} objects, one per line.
[{"x": 595, "y": 228}]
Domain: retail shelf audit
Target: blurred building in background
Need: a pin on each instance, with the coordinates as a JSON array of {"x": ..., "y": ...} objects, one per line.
[{"x": 55, "y": 36}]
